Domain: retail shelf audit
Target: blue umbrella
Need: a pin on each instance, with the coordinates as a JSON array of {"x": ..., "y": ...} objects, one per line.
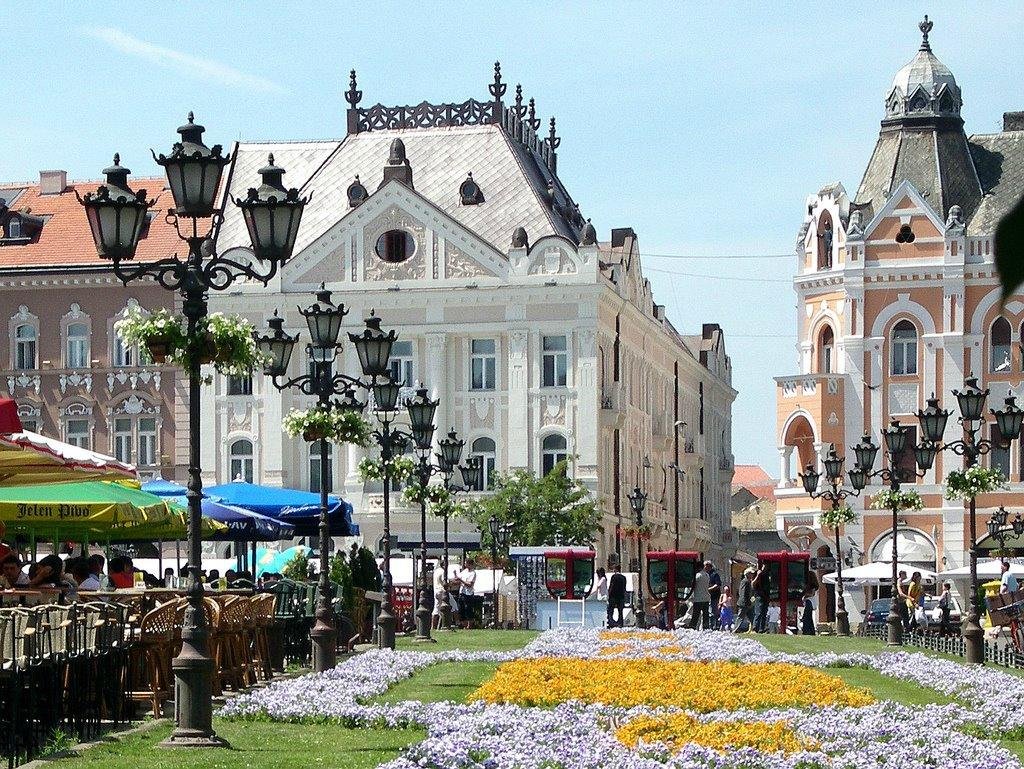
[
  {"x": 163, "y": 488},
  {"x": 243, "y": 525},
  {"x": 299, "y": 508}
]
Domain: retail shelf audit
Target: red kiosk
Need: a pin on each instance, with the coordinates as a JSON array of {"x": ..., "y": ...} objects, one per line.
[
  {"x": 787, "y": 580},
  {"x": 670, "y": 575},
  {"x": 569, "y": 573}
]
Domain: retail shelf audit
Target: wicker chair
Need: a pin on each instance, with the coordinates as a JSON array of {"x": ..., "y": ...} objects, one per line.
[{"x": 150, "y": 656}]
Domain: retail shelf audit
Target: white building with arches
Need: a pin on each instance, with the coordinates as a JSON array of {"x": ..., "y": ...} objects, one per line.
[
  {"x": 898, "y": 299},
  {"x": 450, "y": 222}
]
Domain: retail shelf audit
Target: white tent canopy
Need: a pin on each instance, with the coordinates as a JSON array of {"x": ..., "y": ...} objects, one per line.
[
  {"x": 878, "y": 573},
  {"x": 988, "y": 569},
  {"x": 911, "y": 546}
]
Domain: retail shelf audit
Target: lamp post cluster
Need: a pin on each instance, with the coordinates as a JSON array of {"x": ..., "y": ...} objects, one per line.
[
  {"x": 638, "y": 501},
  {"x": 448, "y": 456},
  {"x": 499, "y": 538},
  {"x": 933, "y": 419},
  {"x": 836, "y": 494},
  {"x": 998, "y": 521},
  {"x": 117, "y": 215}
]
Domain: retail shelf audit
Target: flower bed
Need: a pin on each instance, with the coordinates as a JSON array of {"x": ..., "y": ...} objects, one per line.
[{"x": 732, "y": 734}]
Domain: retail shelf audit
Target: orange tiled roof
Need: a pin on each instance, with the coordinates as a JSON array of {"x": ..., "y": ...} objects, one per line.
[
  {"x": 65, "y": 238},
  {"x": 746, "y": 476}
]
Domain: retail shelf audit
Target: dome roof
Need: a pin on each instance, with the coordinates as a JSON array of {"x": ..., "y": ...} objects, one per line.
[{"x": 924, "y": 85}]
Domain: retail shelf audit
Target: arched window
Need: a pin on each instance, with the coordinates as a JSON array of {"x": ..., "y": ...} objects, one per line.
[
  {"x": 241, "y": 460},
  {"x": 25, "y": 347},
  {"x": 904, "y": 348},
  {"x": 484, "y": 451},
  {"x": 77, "y": 343},
  {"x": 999, "y": 350},
  {"x": 552, "y": 451},
  {"x": 826, "y": 350},
  {"x": 314, "y": 466},
  {"x": 825, "y": 237}
]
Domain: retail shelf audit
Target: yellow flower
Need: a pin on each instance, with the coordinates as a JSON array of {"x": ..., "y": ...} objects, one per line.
[
  {"x": 680, "y": 729},
  {"x": 700, "y": 686}
]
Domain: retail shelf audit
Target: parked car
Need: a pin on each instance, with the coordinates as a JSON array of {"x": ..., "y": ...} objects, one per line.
[
  {"x": 876, "y": 614},
  {"x": 934, "y": 613}
]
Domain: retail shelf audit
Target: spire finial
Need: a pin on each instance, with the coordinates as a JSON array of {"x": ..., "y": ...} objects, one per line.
[
  {"x": 553, "y": 140},
  {"x": 497, "y": 88},
  {"x": 925, "y": 26},
  {"x": 270, "y": 159},
  {"x": 353, "y": 95},
  {"x": 117, "y": 158},
  {"x": 533, "y": 121},
  {"x": 519, "y": 110},
  {"x": 191, "y": 116}
]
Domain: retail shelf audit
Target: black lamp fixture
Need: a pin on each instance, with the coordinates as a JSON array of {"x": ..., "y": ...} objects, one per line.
[
  {"x": 833, "y": 464},
  {"x": 323, "y": 318},
  {"x": 1009, "y": 420},
  {"x": 421, "y": 418},
  {"x": 116, "y": 214},
  {"x": 276, "y": 347},
  {"x": 451, "y": 452},
  {"x": 637, "y": 501},
  {"x": 193, "y": 171},
  {"x": 933, "y": 420},
  {"x": 472, "y": 473},
  {"x": 272, "y": 214},
  {"x": 971, "y": 399},
  {"x": 865, "y": 452},
  {"x": 373, "y": 346},
  {"x": 895, "y": 436},
  {"x": 810, "y": 478}
]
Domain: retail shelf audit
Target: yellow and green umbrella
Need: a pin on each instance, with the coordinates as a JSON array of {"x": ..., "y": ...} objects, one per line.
[
  {"x": 92, "y": 509},
  {"x": 175, "y": 527}
]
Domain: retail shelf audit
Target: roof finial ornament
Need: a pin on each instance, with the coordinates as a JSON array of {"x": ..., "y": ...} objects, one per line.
[
  {"x": 519, "y": 238},
  {"x": 353, "y": 96},
  {"x": 533, "y": 121},
  {"x": 925, "y": 26},
  {"x": 519, "y": 110},
  {"x": 553, "y": 140},
  {"x": 588, "y": 236},
  {"x": 497, "y": 88}
]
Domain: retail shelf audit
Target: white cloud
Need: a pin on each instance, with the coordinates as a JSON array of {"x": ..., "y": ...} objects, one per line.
[{"x": 205, "y": 69}]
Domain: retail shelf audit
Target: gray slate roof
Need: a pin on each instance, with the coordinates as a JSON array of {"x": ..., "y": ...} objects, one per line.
[
  {"x": 999, "y": 159},
  {"x": 512, "y": 182}
]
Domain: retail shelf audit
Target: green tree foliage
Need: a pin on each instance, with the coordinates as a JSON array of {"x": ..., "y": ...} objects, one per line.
[
  {"x": 297, "y": 568},
  {"x": 363, "y": 565},
  {"x": 542, "y": 511}
]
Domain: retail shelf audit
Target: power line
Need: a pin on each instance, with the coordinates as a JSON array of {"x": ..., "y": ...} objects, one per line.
[
  {"x": 718, "y": 277},
  {"x": 718, "y": 257}
]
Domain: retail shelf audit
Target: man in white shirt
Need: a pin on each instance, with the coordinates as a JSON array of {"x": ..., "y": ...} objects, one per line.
[
  {"x": 467, "y": 591},
  {"x": 702, "y": 599},
  {"x": 1008, "y": 582},
  {"x": 440, "y": 587}
]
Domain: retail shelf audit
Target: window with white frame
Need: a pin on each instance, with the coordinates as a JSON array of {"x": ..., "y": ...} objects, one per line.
[
  {"x": 314, "y": 466},
  {"x": 147, "y": 442},
  {"x": 123, "y": 354},
  {"x": 78, "y": 432},
  {"x": 483, "y": 450},
  {"x": 999, "y": 360},
  {"x": 904, "y": 348},
  {"x": 554, "y": 361},
  {"x": 76, "y": 346},
  {"x": 552, "y": 451},
  {"x": 25, "y": 347},
  {"x": 240, "y": 385},
  {"x": 402, "y": 362},
  {"x": 240, "y": 460},
  {"x": 124, "y": 437},
  {"x": 483, "y": 364}
]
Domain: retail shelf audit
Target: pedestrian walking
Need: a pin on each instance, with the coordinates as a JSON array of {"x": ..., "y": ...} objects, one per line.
[
  {"x": 1007, "y": 582},
  {"x": 616, "y": 596},
  {"x": 601, "y": 586},
  {"x": 726, "y": 617},
  {"x": 715, "y": 589},
  {"x": 914, "y": 594},
  {"x": 807, "y": 615},
  {"x": 945, "y": 606},
  {"x": 702, "y": 598},
  {"x": 745, "y": 603},
  {"x": 762, "y": 596}
]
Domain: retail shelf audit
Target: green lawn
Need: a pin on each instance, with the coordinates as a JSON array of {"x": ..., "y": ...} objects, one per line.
[
  {"x": 255, "y": 744},
  {"x": 886, "y": 688},
  {"x": 444, "y": 682},
  {"x": 798, "y": 644},
  {"x": 470, "y": 640}
]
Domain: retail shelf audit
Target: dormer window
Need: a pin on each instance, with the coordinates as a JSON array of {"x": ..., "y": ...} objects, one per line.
[
  {"x": 357, "y": 193},
  {"x": 470, "y": 192},
  {"x": 14, "y": 227},
  {"x": 17, "y": 227}
]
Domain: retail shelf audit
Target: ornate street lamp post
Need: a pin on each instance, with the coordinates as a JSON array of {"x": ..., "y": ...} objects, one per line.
[
  {"x": 996, "y": 530},
  {"x": 421, "y": 421},
  {"x": 116, "y": 217},
  {"x": 472, "y": 472},
  {"x": 971, "y": 403},
  {"x": 637, "y": 501},
  {"x": 323, "y": 318},
  {"x": 896, "y": 438},
  {"x": 837, "y": 495}
]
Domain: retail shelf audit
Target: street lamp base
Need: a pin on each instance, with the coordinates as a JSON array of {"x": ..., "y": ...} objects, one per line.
[
  {"x": 194, "y": 741},
  {"x": 974, "y": 640},
  {"x": 423, "y": 624},
  {"x": 895, "y": 623},
  {"x": 193, "y": 696},
  {"x": 325, "y": 647},
  {"x": 641, "y": 616},
  {"x": 385, "y": 627},
  {"x": 842, "y": 622}
]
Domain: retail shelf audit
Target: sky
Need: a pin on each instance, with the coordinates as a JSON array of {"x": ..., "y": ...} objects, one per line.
[{"x": 704, "y": 127}]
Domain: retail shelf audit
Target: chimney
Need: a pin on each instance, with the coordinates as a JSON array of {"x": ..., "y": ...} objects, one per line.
[
  {"x": 1013, "y": 121},
  {"x": 52, "y": 182}
]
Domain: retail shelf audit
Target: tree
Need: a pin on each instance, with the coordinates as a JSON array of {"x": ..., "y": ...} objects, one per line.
[{"x": 554, "y": 509}]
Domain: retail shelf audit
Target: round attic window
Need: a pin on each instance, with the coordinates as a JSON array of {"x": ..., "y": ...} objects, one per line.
[{"x": 395, "y": 246}]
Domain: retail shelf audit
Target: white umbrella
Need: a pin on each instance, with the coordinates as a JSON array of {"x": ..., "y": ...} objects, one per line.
[
  {"x": 27, "y": 458},
  {"x": 987, "y": 569},
  {"x": 878, "y": 573}
]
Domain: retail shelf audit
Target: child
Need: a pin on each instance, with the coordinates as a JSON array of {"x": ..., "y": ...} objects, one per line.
[{"x": 725, "y": 612}]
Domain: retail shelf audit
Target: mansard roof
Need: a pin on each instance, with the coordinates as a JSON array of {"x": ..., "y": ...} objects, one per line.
[{"x": 515, "y": 170}]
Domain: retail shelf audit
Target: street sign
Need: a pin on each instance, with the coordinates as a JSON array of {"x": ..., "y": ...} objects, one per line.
[{"x": 823, "y": 563}]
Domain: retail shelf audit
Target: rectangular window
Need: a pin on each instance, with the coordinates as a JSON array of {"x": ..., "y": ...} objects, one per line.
[
  {"x": 123, "y": 439},
  {"x": 483, "y": 364},
  {"x": 904, "y": 356},
  {"x": 239, "y": 385},
  {"x": 554, "y": 362},
  {"x": 77, "y": 353},
  {"x": 999, "y": 457},
  {"x": 30, "y": 425},
  {"x": 403, "y": 370},
  {"x": 77, "y": 433},
  {"x": 25, "y": 355},
  {"x": 147, "y": 442},
  {"x": 124, "y": 355}
]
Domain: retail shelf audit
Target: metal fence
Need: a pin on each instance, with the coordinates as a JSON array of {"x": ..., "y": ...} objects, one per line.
[{"x": 998, "y": 652}]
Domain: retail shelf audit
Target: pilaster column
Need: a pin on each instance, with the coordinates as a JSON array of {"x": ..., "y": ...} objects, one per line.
[
  {"x": 785, "y": 466},
  {"x": 518, "y": 399},
  {"x": 438, "y": 385}
]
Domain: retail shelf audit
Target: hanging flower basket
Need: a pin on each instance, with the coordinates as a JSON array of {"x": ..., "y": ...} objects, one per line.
[
  {"x": 159, "y": 347},
  {"x": 897, "y": 500},
  {"x": 159, "y": 332},
  {"x": 838, "y": 516},
  {"x": 969, "y": 483},
  {"x": 400, "y": 469},
  {"x": 317, "y": 424}
]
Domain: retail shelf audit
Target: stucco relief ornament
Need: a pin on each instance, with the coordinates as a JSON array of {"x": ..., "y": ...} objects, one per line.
[
  {"x": 554, "y": 410},
  {"x": 482, "y": 409},
  {"x": 458, "y": 265}
]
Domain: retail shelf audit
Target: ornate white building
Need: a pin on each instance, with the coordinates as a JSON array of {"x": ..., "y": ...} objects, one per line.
[{"x": 450, "y": 223}]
